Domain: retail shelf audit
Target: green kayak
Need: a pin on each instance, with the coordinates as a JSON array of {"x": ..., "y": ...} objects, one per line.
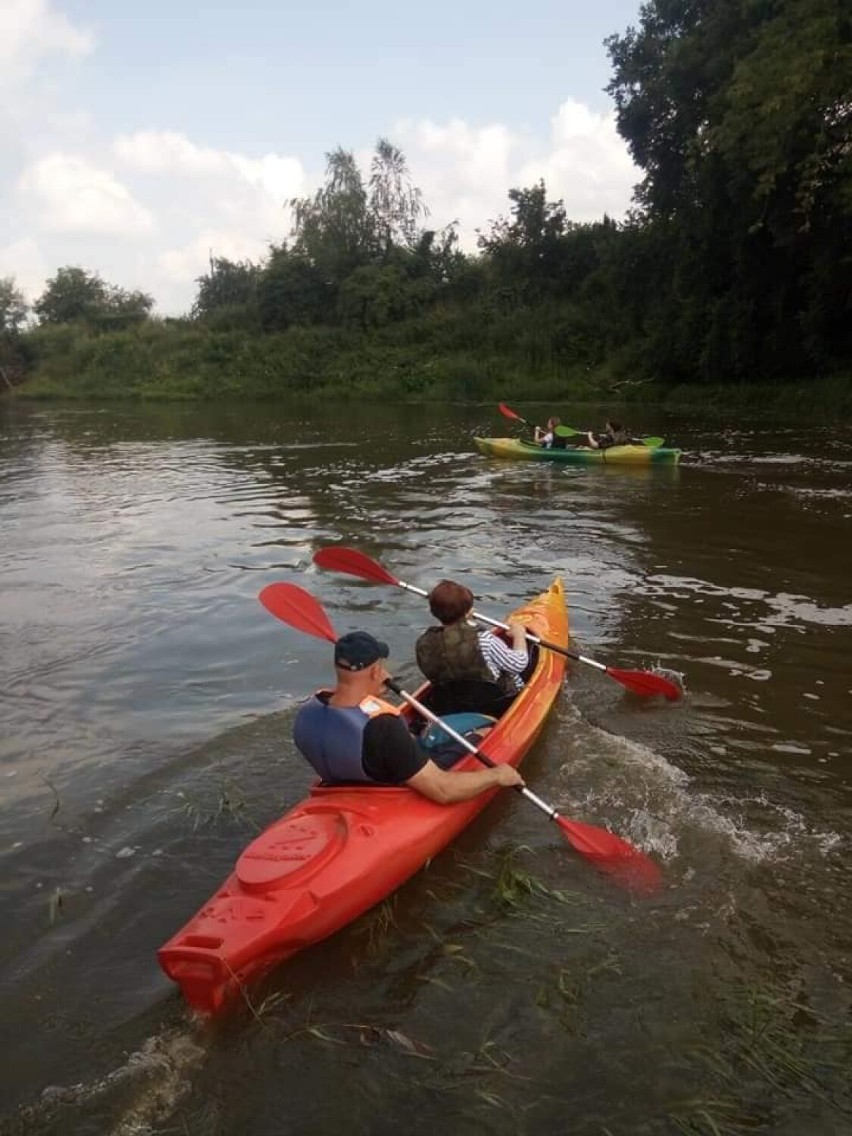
[{"x": 516, "y": 449}]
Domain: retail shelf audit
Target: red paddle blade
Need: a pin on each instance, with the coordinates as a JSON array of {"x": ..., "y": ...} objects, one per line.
[
  {"x": 355, "y": 563},
  {"x": 625, "y": 863},
  {"x": 293, "y": 605},
  {"x": 507, "y": 412},
  {"x": 646, "y": 683}
]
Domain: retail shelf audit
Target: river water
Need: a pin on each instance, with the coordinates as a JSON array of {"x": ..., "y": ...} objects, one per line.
[{"x": 147, "y": 702}]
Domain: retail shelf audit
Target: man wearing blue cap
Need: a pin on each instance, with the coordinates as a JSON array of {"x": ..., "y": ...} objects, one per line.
[{"x": 352, "y": 734}]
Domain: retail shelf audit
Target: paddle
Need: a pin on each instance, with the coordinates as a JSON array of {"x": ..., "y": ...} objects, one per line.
[
  {"x": 356, "y": 563},
  {"x": 653, "y": 441},
  {"x": 562, "y": 431},
  {"x": 298, "y": 608},
  {"x": 507, "y": 412}
]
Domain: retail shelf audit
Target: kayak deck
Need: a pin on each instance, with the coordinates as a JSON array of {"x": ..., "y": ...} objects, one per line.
[
  {"x": 345, "y": 848},
  {"x": 517, "y": 449}
]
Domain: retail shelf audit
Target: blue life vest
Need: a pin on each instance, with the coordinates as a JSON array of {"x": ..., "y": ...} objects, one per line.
[{"x": 331, "y": 738}]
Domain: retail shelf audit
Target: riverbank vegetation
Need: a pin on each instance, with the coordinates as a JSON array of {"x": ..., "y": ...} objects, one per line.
[{"x": 727, "y": 283}]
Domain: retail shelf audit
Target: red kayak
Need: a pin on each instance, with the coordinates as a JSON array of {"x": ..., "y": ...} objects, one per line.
[{"x": 344, "y": 849}]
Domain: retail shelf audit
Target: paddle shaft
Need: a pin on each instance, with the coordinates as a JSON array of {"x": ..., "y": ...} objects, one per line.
[
  {"x": 505, "y": 627},
  {"x": 651, "y": 442},
  {"x": 421, "y": 709}
]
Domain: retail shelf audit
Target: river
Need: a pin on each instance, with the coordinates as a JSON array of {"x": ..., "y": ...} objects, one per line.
[{"x": 147, "y": 706}]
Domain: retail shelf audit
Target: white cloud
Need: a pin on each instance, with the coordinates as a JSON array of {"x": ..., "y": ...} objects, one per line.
[
  {"x": 209, "y": 203},
  {"x": 466, "y": 172},
  {"x": 167, "y": 152},
  {"x": 25, "y": 262},
  {"x": 73, "y": 195},
  {"x": 472, "y": 156},
  {"x": 30, "y": 29},
  {"x": 186, "y": 262},
  {"x": 588, "y": 164}
]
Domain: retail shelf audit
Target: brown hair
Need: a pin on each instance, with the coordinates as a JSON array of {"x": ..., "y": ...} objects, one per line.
[{"x": 449, "y": 601}]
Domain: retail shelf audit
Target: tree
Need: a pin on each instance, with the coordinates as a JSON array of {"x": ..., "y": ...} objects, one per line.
[
  {"x": 332, "y": 230},
  {"x": 526, "y": 252},
  {"x": 123, "y": 309},
  {"x": 228, "y": 284},
  {"x": 343, "y": 227},
  {"x": 70, "y": 296},
  {"x": 740, "y": 114},
  {"x": 292, "y": 290},
  {"x": 76, "y": 296},
  {"x": 13, "y": 307},
  {"x": 395, "y": 204},
  {"x": 379, "y": 294}
]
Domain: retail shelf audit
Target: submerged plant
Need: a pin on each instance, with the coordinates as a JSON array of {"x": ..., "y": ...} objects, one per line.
[
  {"x": 230, "y": 803},
  {"x": 775, "y": 1042},
  {"x": 514, "y": 883}
]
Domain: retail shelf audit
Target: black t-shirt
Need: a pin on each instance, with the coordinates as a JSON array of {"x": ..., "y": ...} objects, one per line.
[{"x": 389, "y": 752}]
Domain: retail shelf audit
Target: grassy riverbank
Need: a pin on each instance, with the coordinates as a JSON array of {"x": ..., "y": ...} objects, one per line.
[{"x": 449, "y": 357}]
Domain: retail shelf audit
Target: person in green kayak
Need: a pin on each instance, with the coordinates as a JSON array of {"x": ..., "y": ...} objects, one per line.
[
  {"x": 351, "y": 734},
  {"x": 548, "y": 436},
  {"x": 459, "y": 653},
  {"x": 614, "y": 434}
]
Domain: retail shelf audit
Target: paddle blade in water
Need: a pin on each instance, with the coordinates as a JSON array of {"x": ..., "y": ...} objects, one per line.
[
  {"x": 646, "y": 683},
  {"x": 293, "y": 605},
  {"x": 354, "y": 563},
  {"x": 627, "y": 865}
]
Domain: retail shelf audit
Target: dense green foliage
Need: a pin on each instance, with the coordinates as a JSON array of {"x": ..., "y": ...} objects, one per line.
[
  {"x": 740, "y": 114},
  {"x": 76, "y": 296},
  {"x": 734, "y": 267}
]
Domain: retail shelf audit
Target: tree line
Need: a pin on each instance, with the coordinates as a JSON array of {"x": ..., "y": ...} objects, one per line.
[{"x": 734, "y": 263}]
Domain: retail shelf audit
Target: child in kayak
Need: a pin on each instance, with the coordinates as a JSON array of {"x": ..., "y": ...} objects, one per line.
[
  {"x": 548, "y": 436},
  {"x": 350, "y": 734},
  {"x": 458, "y": 653}
]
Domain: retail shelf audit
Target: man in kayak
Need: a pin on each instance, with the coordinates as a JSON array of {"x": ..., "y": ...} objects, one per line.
[
  {"x": 458, "y": 653},
  {"x": 351, "y": 734},
  {"x": 548, "y": 436}
]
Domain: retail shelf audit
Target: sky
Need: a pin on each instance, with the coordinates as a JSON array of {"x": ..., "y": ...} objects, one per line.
[{"x": 137, "y": 140}]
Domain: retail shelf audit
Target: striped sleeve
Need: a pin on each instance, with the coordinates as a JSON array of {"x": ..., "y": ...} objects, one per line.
[{"x": 499, "y": 656}]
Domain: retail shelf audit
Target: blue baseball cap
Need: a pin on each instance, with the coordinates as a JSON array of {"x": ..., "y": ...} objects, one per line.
[{"x": 359, "y": 649}]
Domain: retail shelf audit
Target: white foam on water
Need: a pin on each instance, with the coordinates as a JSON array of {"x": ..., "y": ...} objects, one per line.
[
  {"x": 654, "y": 806},
  {"x": 160, "y": 1072}
]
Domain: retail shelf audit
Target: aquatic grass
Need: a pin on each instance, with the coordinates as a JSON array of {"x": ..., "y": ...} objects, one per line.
[
  {"x": 377, "y": 924},
  {"x": 229, "y": 804},
  {"x": 55, "y": 905},
  {"x": 270, "y": 1003},
  {"x": 469, "y": 1079},
  {"x": 432, "y": 980},
  {"x": 57, "y": 802},
  {"x": 564, "y": 994},
  {"x": 775, "y": 1044},
  {"x": 455, "y": 951},
  {"x": 715, "y": 1118},
  {"x": 513, "y": 884}
]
